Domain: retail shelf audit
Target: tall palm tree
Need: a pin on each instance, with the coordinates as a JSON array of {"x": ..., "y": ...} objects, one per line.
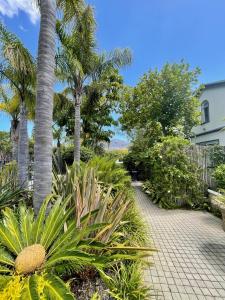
[
  {"x": 44, "y": 103},
  {"x": 17, "y": 67},
  {"x": 78, "y": 62}
]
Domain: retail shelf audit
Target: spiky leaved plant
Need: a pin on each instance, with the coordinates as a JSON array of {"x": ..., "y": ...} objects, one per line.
[
  {"x": 89, "y": 197},
  {"x": 34, "y": 250}
]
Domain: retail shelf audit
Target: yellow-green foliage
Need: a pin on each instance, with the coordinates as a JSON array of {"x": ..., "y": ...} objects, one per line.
[
  {"x": 9, "y": 174},
  {"x": 110, "y": 173},
  {"x": 127, "y": 282}
]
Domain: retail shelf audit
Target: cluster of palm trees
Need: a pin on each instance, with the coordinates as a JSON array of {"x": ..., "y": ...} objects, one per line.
[{"x": 31, "y": 82}]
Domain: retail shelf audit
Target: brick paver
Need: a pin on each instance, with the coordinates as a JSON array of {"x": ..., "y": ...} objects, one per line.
[{"x": 190, "y": 262}]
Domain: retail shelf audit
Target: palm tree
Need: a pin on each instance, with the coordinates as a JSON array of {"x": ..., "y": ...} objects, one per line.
[
  {"x": 44, "y": 103},
  {"x": 18, "y": 68},
  {"x": 78, "y": 62},
  {"x": 10, "y": 106}
]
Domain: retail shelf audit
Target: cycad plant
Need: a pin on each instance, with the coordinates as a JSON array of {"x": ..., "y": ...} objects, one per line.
[{"x": 33, "y": 250}]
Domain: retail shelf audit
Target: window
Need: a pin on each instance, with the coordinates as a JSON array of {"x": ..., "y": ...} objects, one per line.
[{"x": 205, "y": 112}]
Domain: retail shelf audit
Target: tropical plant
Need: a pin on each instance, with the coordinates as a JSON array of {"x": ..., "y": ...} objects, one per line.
[
  {"x": 18, "y": 69},
  {"x": 9, "y": 196},
  {"x": 219, "y": 175},
  {"x": 11, "y": 107},
  {"x": 35, "y": 250},
  {"x": 126, "y": 282},
  {"x": 88, "y": 197},
  {"x": 8, "y": 173},
  {"x": 110, "y": 173},
  {"x": 5, "y": 146},
  {"x": 78, "y": 61},
  {"x": 44, "y": 103}
]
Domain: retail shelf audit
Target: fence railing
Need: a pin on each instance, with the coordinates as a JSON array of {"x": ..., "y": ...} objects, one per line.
[{"x": 201, "y": 155}]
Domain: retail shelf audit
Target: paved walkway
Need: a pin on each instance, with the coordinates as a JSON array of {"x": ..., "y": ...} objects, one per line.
[{"x": 190, "y": 263}]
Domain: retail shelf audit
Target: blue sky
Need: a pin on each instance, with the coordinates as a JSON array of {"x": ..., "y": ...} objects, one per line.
[{"x": 157, "y": 31}]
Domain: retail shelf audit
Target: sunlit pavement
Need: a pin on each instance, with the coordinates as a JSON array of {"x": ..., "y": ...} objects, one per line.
[{"x": 190, "y": 262}]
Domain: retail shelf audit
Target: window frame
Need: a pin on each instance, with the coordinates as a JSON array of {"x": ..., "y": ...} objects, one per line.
[{"x": 204, "y": 107}]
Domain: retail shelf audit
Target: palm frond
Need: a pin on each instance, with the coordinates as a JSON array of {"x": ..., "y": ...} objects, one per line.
[{"x": 56, "y": 288}]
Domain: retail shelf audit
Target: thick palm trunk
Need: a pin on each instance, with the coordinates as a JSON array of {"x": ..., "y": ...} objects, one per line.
[
  {"x": 14, "y": 135},
  {"x": 44, "y": 103},
  {"x": 23, "y": 148},
  {"x": 77, "y": 130}
]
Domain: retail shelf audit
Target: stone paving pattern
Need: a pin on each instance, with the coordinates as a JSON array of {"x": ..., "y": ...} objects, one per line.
[{"x": 190, "y": 262}]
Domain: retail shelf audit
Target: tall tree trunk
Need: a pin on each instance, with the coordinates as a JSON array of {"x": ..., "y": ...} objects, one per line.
[
  {"x": 23, "y": 148},
  {"x": 77, "y": 129},
  {"x": 44, "y": 103},
  {"x": 14, "y": 135}
]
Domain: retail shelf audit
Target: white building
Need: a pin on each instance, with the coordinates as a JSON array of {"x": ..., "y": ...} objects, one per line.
[{"x": 212, "y": 128}]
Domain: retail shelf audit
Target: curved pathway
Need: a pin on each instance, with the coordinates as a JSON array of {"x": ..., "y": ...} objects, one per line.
[{"x": 190, "y": 262}]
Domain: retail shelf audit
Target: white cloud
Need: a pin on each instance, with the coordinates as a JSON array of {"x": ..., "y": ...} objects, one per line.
[{"x": 12, "y": 7}]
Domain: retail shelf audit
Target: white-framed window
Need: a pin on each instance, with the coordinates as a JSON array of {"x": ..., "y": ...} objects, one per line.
[{"x": 205, "y": 112}]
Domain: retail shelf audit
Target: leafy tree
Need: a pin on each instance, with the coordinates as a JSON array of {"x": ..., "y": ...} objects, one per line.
[
  {"x": 18, "y": 69},
  {"x": 168, "y": 97}
]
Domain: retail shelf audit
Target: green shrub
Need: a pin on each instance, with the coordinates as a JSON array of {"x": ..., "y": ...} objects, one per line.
[
  {"x": 110, "y": 173},
  {"x": 127, "y": 282},
  {"x": 68, "y": 154},
  {"x": 117, "y": 154},
  {"x": 219, "y": 175},
  {"x": 175, "y": 180},
  {"x": 217, "y": 155},
  {"x": 8, "y": 173}
]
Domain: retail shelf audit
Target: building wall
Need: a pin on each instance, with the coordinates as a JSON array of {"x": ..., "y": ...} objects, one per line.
[{"x": 216, "y": 98}]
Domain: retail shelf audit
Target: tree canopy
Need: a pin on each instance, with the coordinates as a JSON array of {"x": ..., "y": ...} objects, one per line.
[{"x": 167, "y": 97}]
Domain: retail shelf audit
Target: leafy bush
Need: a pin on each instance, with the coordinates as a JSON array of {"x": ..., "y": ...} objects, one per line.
[
  {"x": 8, "y": 173},
  {"x": 117, "y": 154},
  {"x": 217, "y": 155},
  {"x": 109, "y": 172},
  {"x": 175, "y": 179},
  {"x": 127, "y": 282},
  {"x": 219, "y": 175},
  {"x": 68, "y": 154}
]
